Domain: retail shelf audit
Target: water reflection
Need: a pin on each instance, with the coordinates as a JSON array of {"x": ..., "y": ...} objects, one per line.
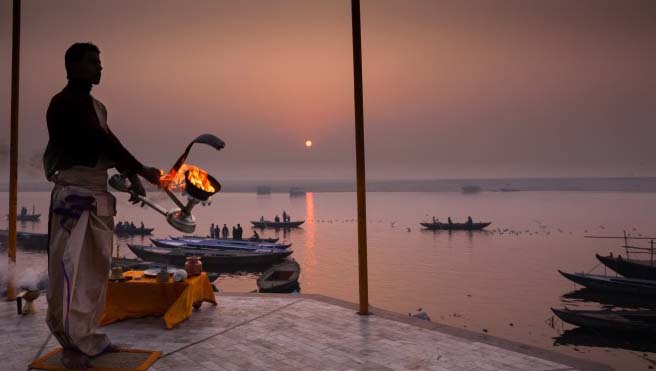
[{"x": 606, "y": 339}]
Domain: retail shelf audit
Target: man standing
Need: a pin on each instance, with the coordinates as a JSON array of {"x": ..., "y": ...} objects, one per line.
[
  {"x": 224, "y": 232},
  {"x": 80, "y": 149}
]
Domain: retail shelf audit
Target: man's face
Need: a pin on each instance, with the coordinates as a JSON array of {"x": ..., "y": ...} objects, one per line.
[{"x": 89, "y": 67}]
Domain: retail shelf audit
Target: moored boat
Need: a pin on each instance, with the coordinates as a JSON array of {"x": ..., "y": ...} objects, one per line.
[
  {"x": 613, "y": 284},
  {"x": 134, "y": 231},
  {"x": 642, "y": 321},
  {"x": 212, "y": 259},
  {"x": 277, "y": 225},
  {"x": 230, "y": 241},
  {"x": 217, "y": 244},
  {"x": 280, "y": 278},
  {"x": 631, "y": 268},
  {"x": 456, "y": 226},
  {"x": 27, "y": 240}
]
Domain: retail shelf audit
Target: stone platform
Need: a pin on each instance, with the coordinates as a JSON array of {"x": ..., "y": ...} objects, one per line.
[{"x": 292, "y": 332}]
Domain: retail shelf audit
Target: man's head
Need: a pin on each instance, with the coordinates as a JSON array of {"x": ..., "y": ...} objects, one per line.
[{"x": 83, "y": 63}]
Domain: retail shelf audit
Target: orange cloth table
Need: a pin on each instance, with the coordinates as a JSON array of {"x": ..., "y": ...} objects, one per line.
[{"x": 147, "y": 297}]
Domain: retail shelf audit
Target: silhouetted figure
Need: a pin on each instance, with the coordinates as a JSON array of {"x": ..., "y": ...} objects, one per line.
[
  {"x": 224, "y": 232},
  {"x": 289, "y": 218},
  {"x": 469, "y": 220},
  {"x": 276, "y": 219},
  {"x": 240, "y": 232},
  {"x": 262, "y": 219},
  {"x": 217, "y": 231},
  {"x": 234, "y": 232},
  {"x": 284, "y": 216},
  {"x": 81, "y": 148},
  {"x": 434, "y": 220},
  {"x": 132, "y": 226},
  {"x": 256, "y": 236},
  {"x": 212, "y": 235},
  {"x": 23, "y": 210},
  {"x": 448, "y": 220},
  {"x": 119, "y": 227}
]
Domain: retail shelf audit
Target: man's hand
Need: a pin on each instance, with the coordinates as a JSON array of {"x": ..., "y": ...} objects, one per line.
[
  {"x": 151, "y": 174},
  {"x": 137, "y": 188}
]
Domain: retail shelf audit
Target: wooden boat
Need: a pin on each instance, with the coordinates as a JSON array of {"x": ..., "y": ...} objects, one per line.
[
  {"x": 277, "y": 225},
  {"x": 631, "y": 268},
  {"x": 456, "y": 226},
  {"x": 23, "y": 216},
  {"x": 281, "y": 277},
  {"x": 643, "y": 321},
  {"x": 138, "y": 231},
  {"x": 211, "y": 259},
  {"x": 613, "y": 284},
  {"x": 252, "y": 239},
  {"x": 251, "y": 242},
  {"x": 214, "y": 245},
  {"x": 27, "y": 240}
]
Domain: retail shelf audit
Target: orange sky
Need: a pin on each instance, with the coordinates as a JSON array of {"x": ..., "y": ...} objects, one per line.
[{"x": 452, "y": 88}]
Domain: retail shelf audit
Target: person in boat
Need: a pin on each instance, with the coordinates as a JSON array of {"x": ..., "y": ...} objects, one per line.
[
  {"x": 119, "y": 227},
  {"x": 434, "y": 220},
  {"x": 132, "y": 226},
  {"x": 142, "y": 226},
  {"x": 284, "y": 216},
  {"x": 23, "y": 210},
  {"x": 234, "y": 232},
  {"x": 81, "y": 148},
  {"x": 212, "y": 235},
  {"x": 448, "y": 220},
  {"x": 256, "y": 236},
  {"x": 469, "y": 220},
  {"x": 217, "y": 231},
  {"x": 289, "y": 218},
  {"x": 262, "y": 219},
  {"x": 276, "y": 219},
  {"x": 224, "y": 232}
]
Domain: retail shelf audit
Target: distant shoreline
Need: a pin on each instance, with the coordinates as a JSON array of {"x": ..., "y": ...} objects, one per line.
[{"x": 600, "y": 184}]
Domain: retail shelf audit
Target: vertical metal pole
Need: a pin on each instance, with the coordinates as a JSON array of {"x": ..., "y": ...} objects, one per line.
[
  {"x": 13, "y": 151},
  {"x": 359, "y": 157}
]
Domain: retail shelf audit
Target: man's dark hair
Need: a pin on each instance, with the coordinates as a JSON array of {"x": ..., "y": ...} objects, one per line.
[{"x": 75, "y": 53}]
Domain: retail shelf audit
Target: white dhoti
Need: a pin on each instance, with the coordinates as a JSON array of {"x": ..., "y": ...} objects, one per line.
[{"x": 81, "y": 233}]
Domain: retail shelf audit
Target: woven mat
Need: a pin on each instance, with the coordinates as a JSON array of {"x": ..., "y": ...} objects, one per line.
[{"x": 123, "y": 360}]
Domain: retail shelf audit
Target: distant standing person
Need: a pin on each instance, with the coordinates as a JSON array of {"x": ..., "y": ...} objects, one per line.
[
  {"x": 277, "y": 219},
  {"x": 217, "y": 231},
  {"x": 240, "y": 232},
  {"x": 284, "y": 216},
  {"x": 212, "y": 231},
  {"x": 448, "y": 220},
  {"x": 234, "y": 232},
  {"x": 225, "y": 232}
]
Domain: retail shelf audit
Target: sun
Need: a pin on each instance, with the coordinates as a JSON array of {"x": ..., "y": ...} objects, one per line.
[{"x": 308, "y": 143}]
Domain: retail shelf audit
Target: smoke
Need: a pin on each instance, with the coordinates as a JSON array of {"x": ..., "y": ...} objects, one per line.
[{"x": 30, "y": 278}]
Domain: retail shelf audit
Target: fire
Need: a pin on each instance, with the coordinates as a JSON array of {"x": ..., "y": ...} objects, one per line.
[{"x": 176, "y": 179}]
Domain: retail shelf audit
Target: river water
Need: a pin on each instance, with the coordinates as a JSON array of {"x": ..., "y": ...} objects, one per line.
[{"x": 502, "y": 281}]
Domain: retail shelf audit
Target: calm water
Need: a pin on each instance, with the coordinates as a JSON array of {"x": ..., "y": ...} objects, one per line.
[{"x": 503, "y": 282}]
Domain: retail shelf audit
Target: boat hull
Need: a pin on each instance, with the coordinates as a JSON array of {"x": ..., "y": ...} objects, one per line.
[
  {"x": 642, "y": 269},
  {"x": 212, "y": 261},
  {"x": 455, "y": 226},
  {"x": 620, "y": 285},
  {"x": 624, "y": 321},
  {"x": 277, "y": 225}
]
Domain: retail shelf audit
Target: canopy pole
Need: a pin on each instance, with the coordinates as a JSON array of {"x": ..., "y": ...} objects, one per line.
[
  {"x": 13, "y": 151},
  {"x": 359, "y": 157}
]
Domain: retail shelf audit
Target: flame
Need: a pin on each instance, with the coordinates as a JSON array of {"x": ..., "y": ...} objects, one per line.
[{"x": 176, "y": 179}]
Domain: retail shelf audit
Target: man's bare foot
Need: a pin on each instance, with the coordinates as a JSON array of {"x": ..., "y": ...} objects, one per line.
[
  {"x": 113, "y": 348},
  {"x": 75, "y": 360}
]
